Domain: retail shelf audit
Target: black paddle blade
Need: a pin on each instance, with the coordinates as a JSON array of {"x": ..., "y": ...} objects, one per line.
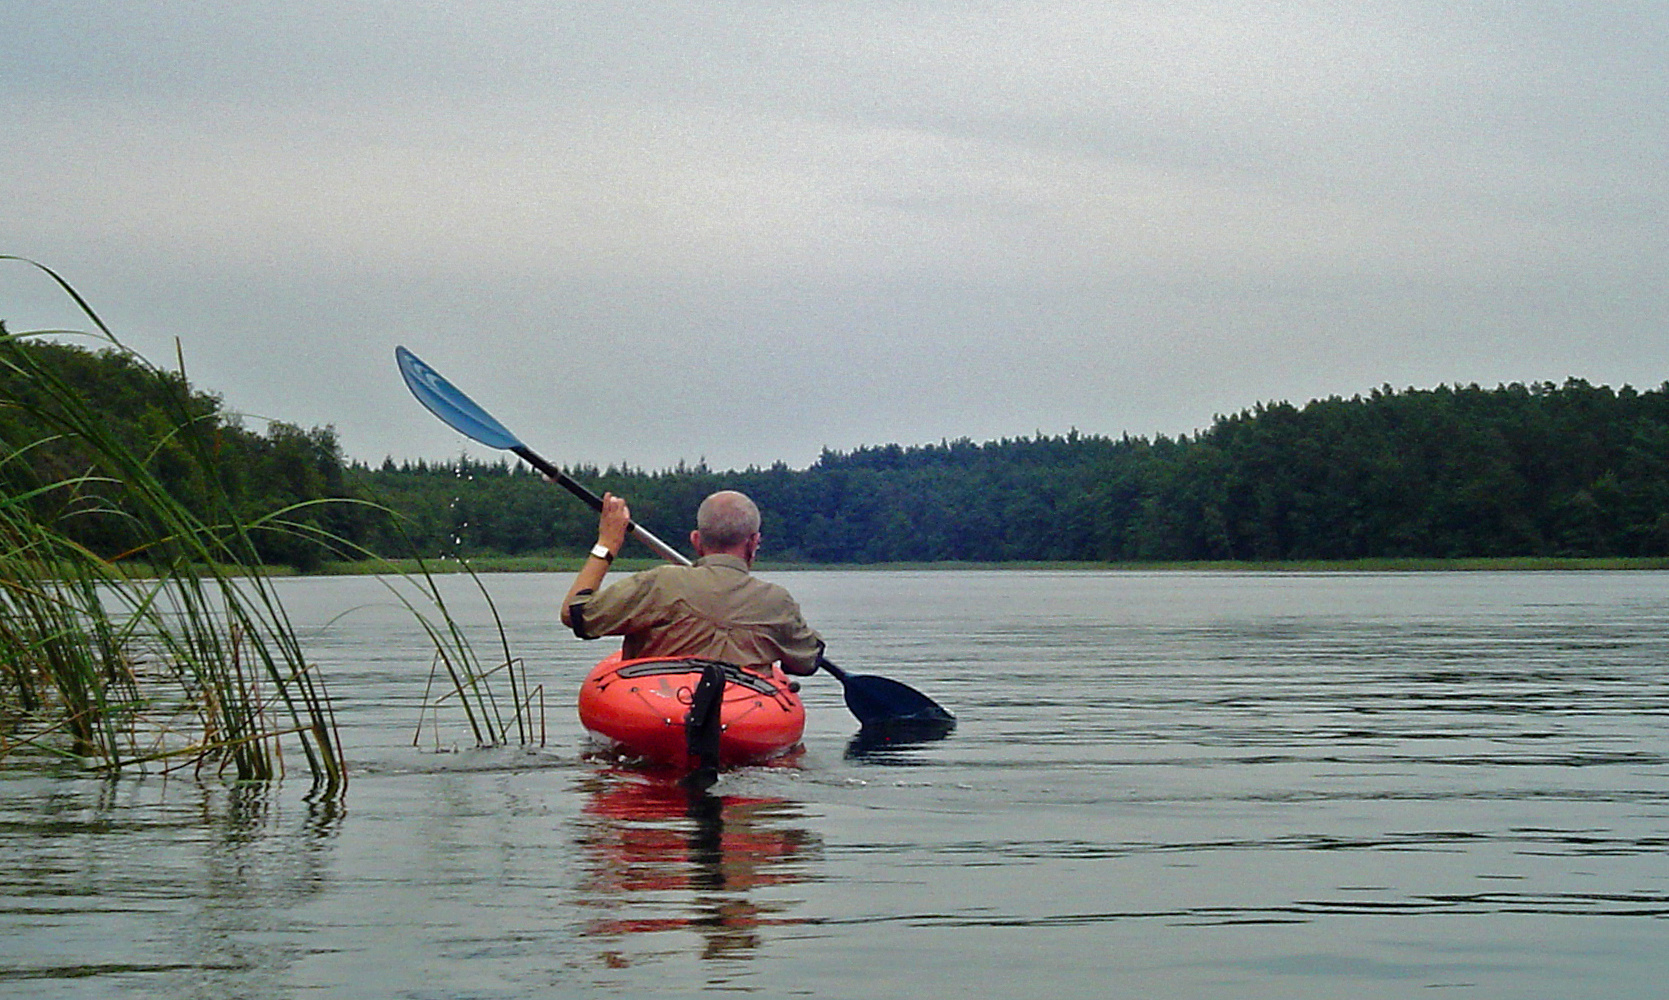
[
  {"x": 882, "y": 701},
  {"x": 878, "y": 701}
]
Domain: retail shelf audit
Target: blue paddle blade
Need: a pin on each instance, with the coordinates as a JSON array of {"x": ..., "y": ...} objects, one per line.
[{"x": 447, "y": 402}]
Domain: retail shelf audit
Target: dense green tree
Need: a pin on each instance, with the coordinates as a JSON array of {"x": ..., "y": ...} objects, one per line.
[
  {"x": 1539, "y": 469},
  {"x": 189, "y": 444}
]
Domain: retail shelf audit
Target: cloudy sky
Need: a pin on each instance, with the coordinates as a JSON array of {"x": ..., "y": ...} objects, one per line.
[{"x": 746, "y": 231}]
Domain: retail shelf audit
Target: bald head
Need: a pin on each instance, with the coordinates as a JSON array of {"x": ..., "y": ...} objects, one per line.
[{"x": 726, "y": 522}]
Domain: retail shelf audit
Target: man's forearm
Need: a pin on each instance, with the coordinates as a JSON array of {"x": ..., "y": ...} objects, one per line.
[
  {"x": 590, "y": 577},
  {"x": 611, "y": 535}
]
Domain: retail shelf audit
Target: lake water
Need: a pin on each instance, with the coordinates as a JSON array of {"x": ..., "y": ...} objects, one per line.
[{"x": 1162, "y": 785}]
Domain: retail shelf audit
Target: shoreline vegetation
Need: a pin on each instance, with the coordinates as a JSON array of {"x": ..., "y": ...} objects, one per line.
[
  {"x": 139, "y": 626},
  {"x": 1544, "y": 472},
  {"x": 571, "y": 564}
]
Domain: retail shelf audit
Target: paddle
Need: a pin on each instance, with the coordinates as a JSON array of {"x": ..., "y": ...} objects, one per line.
[
  {"x": 876, "y": 701},
  {"x": 461, "y": 413}
]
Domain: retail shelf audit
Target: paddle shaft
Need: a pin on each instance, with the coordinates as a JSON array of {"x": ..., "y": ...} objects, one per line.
[
  {"x": 828, "y": 665},
  {"x": 595, "y": 502}
]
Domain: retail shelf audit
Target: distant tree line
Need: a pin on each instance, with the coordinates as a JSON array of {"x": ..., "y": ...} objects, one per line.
[{"x": 1519, "y": 470}]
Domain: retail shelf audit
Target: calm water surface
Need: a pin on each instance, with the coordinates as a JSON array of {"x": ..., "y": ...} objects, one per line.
[{"x": 1163, "y": 785}]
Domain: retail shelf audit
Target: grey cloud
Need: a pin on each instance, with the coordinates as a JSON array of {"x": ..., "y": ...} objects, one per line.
[{"x": 749, "y": 230}]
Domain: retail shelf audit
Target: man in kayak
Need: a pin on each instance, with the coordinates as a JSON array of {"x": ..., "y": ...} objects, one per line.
[{"x": 714, "y": 610}]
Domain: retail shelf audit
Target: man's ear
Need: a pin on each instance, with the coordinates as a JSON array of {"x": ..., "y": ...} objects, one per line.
[{"x": 695, "y": 542}]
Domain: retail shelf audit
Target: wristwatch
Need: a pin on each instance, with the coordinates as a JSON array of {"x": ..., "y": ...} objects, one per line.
[{"x": 601, "y": 552}]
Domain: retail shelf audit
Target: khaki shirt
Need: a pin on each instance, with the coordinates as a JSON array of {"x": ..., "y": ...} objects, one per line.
[{"x": 715, "y": 610}]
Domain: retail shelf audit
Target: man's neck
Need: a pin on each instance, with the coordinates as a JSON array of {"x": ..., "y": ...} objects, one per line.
[{"x": 735, "y": 553}]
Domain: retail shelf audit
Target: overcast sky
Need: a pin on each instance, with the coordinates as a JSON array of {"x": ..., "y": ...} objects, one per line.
[{"x": 746, "y": 231}]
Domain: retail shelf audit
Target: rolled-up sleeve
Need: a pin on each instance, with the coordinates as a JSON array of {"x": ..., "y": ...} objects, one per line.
[{"x": 626, "y": 606}]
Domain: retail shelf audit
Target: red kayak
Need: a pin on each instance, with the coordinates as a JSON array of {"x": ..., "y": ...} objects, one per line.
[{"x": 638, "y": 708}]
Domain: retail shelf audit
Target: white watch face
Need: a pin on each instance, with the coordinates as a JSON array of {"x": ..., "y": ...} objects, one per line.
[{"x": 601, "y": 551}]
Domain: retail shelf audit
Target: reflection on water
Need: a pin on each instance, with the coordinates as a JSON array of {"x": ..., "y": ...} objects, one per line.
[
  {"x": 660, "y": 858},
  {"x": 156, "y": 883},
  {"x": 890, "y": 742}
]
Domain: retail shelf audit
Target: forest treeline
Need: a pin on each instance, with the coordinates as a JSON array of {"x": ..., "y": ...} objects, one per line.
[
  {"x": 1545, "y": 469},
  {"x": 222, "y": 472}
]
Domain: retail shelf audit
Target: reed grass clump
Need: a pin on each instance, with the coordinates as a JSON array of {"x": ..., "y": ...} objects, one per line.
[{"x": 174, "y": 651}]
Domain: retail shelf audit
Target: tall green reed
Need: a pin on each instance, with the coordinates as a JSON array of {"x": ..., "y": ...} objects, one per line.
[
  {"x": 458, "y": 675},
  {"x": 178, "y": 651}
]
